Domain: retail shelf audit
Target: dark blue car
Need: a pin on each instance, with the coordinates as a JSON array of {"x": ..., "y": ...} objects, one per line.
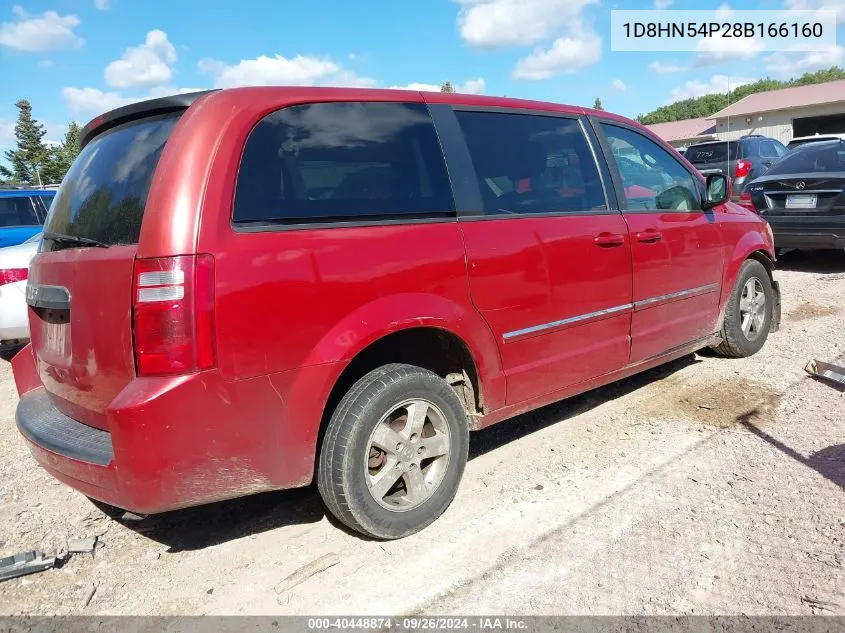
[{"x": 22, "y": 213}]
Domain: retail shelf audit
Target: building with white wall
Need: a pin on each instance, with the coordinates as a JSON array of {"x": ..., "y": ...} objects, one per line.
[
  {"x": 781, "y": 114},
  {"x": 786, "y": 113}
]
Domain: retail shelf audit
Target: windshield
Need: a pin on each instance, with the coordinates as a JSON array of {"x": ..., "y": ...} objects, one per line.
[
  {"x": 822, "y": 156},
  {"x": 712, "y": 153},
  {"x": 103, "y": 195}
]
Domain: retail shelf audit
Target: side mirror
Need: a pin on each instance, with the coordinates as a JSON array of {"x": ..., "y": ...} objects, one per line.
[{"x": 717, "y": 191}]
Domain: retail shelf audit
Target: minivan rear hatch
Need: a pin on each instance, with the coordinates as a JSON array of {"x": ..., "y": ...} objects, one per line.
[{"x": 80, "y": 284}]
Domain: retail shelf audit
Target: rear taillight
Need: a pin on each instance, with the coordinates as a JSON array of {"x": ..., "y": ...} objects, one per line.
[
  {"x": 173, "y": 310},
  {"x": 742, "y": 168},
  {"x": 746, "y": 201},
  {"x": 12, "y": 275}
]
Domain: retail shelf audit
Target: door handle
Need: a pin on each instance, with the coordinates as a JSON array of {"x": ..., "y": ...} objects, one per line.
[
  {"x": 609, "y": 239},
  {"x": 649, "y": 236}
]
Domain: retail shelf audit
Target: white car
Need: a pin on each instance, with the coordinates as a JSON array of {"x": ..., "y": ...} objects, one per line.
[{"x": 14, "y": 268}]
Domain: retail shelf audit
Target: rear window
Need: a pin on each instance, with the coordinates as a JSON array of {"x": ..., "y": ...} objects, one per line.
[
  {"x": 712, "y": 153},
  {"x": 821, "y": 156},
  {"x": 330, "y": 162},
  {"x": 103, "y": 195},
  {"x": 17, "y": 211}
]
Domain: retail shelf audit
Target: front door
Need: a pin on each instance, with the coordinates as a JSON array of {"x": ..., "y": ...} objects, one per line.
[
  {"x": 676, "y": 246},
  {"x": 549, "y": 261}
]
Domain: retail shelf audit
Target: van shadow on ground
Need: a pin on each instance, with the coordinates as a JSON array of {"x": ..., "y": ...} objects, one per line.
[
  {"x": 821, "y": 262},
  {"x": 213, "y": 524}
]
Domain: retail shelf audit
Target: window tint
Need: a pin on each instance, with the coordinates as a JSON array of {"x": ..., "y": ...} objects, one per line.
[
  {"x": 531, "y": 164},
  {"x": 651, "y": 177},
  {"x": 342, "y": 161},
  {"x": 823, "y": 156},
  {"x": 771, "y": 149},
  {"x": 103, "y": 195},
  {"x": 712, "y": 153},
  {"x": 17, "y": 211}
]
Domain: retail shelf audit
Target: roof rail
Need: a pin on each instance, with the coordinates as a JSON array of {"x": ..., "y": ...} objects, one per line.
[
  {"x": 752, "y": 136},
  {"x": 27, "y": 187}
]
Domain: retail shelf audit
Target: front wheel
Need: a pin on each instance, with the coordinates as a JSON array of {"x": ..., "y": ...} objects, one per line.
[
  {"x": 394, "y": 452},
  {"x": 748, "y": 315}
]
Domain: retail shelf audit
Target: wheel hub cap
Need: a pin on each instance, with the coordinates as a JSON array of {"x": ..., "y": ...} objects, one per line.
[
  {"x": 752, "y": 309},
  {"x": 408, "y": 454}
]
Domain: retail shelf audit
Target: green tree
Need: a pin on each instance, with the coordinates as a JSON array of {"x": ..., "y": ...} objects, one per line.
[
  {"x": 447, "y": 87},
  {"x": 597, "y": 104},
  {"x": 710, "y": 104},
  {"x": 30, "y": 154},
  {"x": 63, "y": 155}
]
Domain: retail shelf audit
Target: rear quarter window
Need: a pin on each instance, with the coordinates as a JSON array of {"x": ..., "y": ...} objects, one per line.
[{"x": 336, "y": 162}]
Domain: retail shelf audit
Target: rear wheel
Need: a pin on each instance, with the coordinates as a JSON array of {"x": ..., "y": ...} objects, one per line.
[
  {"x": 394, "y": 452},
  {"x": 748, "y": 315}
]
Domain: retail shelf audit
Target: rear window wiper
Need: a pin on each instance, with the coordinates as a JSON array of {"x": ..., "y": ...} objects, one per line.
[{"x": 72, "y": 239}]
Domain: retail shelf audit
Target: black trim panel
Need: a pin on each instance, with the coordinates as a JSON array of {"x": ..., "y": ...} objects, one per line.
[
  {"x": 42, "y": 424},
  {"x": 459, "y": 166},
  {"x": 47, "y": 297}
]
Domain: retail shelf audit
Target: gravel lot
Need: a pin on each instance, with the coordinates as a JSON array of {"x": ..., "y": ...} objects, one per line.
[{"x": 705, "y": 486}]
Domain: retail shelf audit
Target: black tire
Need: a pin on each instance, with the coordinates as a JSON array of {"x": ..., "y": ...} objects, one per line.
[
  {"x": 8, "y": 353},
  {"x": 343, "y": 467},
  {"x": 735, "y": 342}
]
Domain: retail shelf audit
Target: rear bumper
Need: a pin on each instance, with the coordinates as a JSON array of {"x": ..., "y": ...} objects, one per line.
[
  {"x": 178, "y": 442},
  {"x": 809, "y": 239}
]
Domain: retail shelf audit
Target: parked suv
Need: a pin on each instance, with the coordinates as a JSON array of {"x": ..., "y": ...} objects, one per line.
[
  {"x": 22, "y": 212},
  {"x": 742, "y": 160},
  {"x": 247, "y": 289}
]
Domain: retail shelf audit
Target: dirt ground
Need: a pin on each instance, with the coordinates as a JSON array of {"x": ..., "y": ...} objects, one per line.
[{"x": 705, "y": 486}]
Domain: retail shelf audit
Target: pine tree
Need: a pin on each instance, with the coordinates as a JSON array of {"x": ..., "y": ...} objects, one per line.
[
  {"x": 447, "y": 87},
  {"x": 63, "y": 155},
  {"x": 597, "y": 104},
  {"x": 30, "y": 155}
]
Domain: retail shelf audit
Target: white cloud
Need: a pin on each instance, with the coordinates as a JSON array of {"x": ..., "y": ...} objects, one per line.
[
  {"x": 102, "y": 5},
  {"x": 7, "y": 133},
  {"x": 149, "y": 64},
  {"x": 38, "y": 33},
  {"x": 724, "y": 11},
  {"x": 471, "y": 86},
  {"x": 662, "y": 4},
  {"x": 619, "y": 85},
  {"x": 719, "y": 50},
  {"x": 825, "y": 5},
  {"x": 91, "y": 101},
  {"x": 45, "y": 63},
  {"x": 301, "y": 70},
  {"x": 717, "y": 84},
  {"x": 491, "y": 23},
  {"x": 787, "y": 65},
  {"x": 662, "y": 68},
  {"x": 567, "y": 54}
]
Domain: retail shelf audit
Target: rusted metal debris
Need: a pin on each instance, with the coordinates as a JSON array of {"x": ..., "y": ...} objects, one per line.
[
  {"x": 827, "y": 372},
  {"x": 24, "y": 563}
]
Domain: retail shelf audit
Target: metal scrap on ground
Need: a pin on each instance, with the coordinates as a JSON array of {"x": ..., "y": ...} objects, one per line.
[
  {"x": 24, "y": 563},
  {"x": 826, "y": 372}
]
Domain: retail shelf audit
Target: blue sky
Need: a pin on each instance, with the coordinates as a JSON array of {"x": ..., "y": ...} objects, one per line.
[{"x": 75, "y": 58}]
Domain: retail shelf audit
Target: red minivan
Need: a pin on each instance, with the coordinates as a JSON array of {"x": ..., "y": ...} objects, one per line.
[{"x": 245, "y": 290}]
